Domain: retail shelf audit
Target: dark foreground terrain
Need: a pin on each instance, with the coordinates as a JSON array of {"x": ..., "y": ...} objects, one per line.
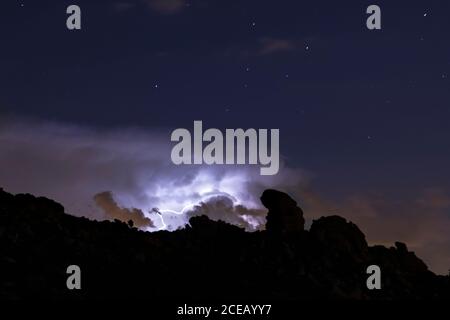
[{"x": 209, "y": 260}]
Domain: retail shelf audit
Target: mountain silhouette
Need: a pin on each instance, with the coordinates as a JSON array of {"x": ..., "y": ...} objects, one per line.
[{"x": 206, "y": 260}]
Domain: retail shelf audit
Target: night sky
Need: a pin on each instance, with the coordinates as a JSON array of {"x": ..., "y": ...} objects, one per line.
[{"x": 364, "y": 112}]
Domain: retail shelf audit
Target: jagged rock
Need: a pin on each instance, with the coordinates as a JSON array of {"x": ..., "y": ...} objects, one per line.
[
  {"x": 339, "y": 235},
  {"x": 204, "y": 261},
  {"x": 284, "y": 216},
  {"x": 401, "y": 247}
]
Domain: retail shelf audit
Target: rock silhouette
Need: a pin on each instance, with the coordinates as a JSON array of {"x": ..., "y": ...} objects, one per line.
[
  {"x": 208, "y": 260},
  {"x": 284, "y": 216}
]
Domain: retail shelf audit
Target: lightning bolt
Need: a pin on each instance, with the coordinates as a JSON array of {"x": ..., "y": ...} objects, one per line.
[{"x": 189, "y": 206}]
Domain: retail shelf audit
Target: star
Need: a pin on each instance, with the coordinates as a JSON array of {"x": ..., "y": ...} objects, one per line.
[
  {"x": 156, "y": 86},
  {"x": 253, "y": 24},
  {"x": 247, "y": 69},
  {"x": 286, "y": 75},
  {"x": 425, "y": 14}
]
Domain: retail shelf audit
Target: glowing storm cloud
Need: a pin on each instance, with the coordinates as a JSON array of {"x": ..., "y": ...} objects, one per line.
[{"x": 177, "y": 200}]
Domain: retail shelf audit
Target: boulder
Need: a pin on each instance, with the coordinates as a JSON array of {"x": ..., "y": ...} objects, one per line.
[{"x": 285, "y": 216}]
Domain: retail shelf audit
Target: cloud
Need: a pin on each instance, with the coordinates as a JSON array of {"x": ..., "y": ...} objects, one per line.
[
  {"x": 270, "y": 46},
  {"x": 112, "y": 210},
  {"x": 265, "y": 46},
  {"x": 123, "y": 6},
  {"x": 435, "y": 198},
  {"x": 72, "y": 164},
  {"x": 165, "y": 6},
  {"x": 224, "y": 208},
  {"x": 422, "y": 222}
]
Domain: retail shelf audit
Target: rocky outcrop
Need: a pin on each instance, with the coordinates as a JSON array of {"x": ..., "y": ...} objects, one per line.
[
  {"x": 208, "y": 260},
  {"x": 340, "y": 236},
  {"x": 284, "y": 217}
]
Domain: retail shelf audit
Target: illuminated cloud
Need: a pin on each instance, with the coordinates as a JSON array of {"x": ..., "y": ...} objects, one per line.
[
  {"x": 106, "y": 202},
  {"x": 225, "y": 208},
  {"x": 71, "y": 165}
]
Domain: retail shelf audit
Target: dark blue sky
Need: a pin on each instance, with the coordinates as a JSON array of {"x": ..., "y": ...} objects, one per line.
[{"x": 359, "y": 109}]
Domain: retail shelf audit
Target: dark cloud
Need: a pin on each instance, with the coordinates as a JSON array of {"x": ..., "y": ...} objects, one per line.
[
  {"x": 112, "y": 210},
  {"x": 263, "y": 47},
  {"x": 272, "y": 45},
  {"x": 165, "y": 6},
  {"x": 123, "y": 6}
]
